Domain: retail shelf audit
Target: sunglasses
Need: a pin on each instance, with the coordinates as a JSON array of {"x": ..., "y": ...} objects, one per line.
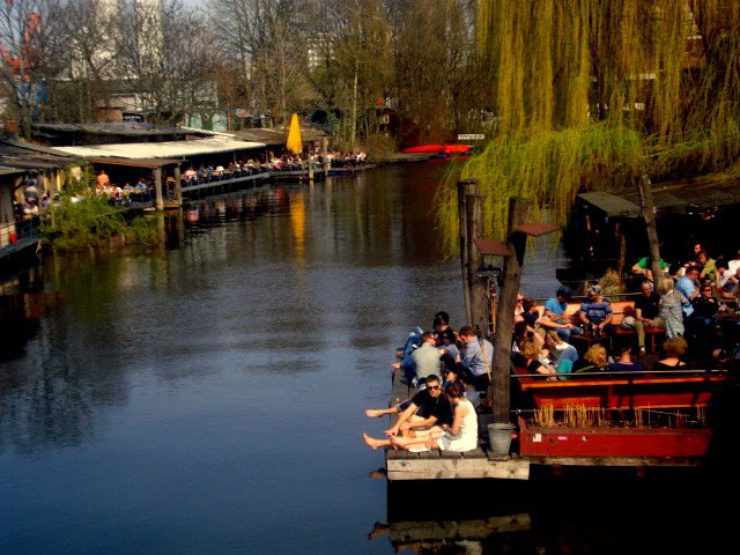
[{"x": 432, "y": 387}]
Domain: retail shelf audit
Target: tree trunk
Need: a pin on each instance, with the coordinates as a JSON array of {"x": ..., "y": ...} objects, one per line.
[{"x": 649, "y": 212}]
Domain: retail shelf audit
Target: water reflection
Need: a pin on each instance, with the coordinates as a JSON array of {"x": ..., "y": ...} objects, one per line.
[
  {"x": 211, "y": 383},
  {"x": 616, "y": 514}
]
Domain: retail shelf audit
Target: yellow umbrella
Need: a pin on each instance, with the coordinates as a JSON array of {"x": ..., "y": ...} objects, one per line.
[{"x": 294, "y": 143}]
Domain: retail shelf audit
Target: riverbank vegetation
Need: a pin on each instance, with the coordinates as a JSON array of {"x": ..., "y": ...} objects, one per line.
[
  {"x": 593, "y": 95},
  {"x": 91, "y": 222},
  {"x": 80, "y": 218},
  {"x": 570, "y": 95}
]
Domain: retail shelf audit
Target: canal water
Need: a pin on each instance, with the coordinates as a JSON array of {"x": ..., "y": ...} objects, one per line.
[{"x": 208, "y": 397}]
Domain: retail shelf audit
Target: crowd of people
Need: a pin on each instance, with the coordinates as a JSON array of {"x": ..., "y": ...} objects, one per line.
[{"x": 451, "y": 369}]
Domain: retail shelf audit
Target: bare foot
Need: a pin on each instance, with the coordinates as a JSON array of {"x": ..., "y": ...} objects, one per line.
[
  {"x": 379, "y": 529},
  {"x": 374, "y": 413},
  {"x": 379, "y": 473},
  {"x": 372, "y": 442}
]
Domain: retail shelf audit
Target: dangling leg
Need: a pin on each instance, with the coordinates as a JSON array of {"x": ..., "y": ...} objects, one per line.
[{"x": 376, "y": 443}]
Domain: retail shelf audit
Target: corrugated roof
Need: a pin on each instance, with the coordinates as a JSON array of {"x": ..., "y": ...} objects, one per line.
[
  {"x": 137, "y": 129},
  {"x": 278, "y": 136},
  {"x": 169, "y": 149},
  {"x": 705, "y": 192},
  {"x": 613, "y": 205},
  {"x": 27, "y": 156}
]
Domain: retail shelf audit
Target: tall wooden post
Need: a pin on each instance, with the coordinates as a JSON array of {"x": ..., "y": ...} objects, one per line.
[
  {"x": 325, "y": 155},
  {"x": 475, "y": 285},
  {"x": 649, "y": 212},
  {"x": 178, "y": 186},
  {"x": 499, "y": 392},
  {"x": 158, "y": 189},
  {"x": 465, "y": 188}
]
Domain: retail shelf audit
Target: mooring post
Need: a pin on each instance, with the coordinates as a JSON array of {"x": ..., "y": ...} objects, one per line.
[
  {"x": 158, "y": 189},
  {"x": 178, "y": 186},
  {"x": 499, "y": 392},
  {"x": 476, "y": 285},
  {"x": 465, "y": 188}
]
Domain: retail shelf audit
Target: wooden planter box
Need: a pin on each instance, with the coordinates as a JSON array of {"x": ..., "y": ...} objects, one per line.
[{"x": 612, "y": 442}]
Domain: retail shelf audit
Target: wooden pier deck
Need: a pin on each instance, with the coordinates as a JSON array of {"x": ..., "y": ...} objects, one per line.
[
  {"x": 436, "y": 464},
  {"x": 482, "y": 463}
]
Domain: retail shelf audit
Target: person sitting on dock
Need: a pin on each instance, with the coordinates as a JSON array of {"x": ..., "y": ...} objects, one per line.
[
  {"x": 625, "y": 363},
  {"x": 594, "y": 360},
  {"x": 708, "y": 267},
  {"x": 477, "y": 357},
  {"x": 642, "y": 268},
  {"x": 103, "y": 180},
  {"x": 428, "y": 409},
  {"x": 422, "y": 361},
  {"x": 596, "y": 314},
  {"x": 530, "y": 359},
  {"x": 556, "y": 319},
  {"x": 442, "y": 329},
  {"x": 445, "y": 336},
  {"x": 674, "y": 348},
  {"x": 190, "y": 176},
  {"x": 647, "y": 310},
  {"x": 458, "y": 436}
]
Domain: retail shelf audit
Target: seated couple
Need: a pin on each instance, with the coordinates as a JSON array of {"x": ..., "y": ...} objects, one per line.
[{"x": 428, "y": 421}]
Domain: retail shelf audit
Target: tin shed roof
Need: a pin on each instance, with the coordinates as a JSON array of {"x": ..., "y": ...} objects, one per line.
[
  {"x": 169, "y": 149},
  {"x": 705, "y": 192},
  {"x": 612, "y": 204}
]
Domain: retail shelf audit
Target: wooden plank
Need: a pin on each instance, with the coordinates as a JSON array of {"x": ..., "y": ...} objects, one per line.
[
  {"x": 443, "y": 468},
  {"x": 481, "y": 528}
]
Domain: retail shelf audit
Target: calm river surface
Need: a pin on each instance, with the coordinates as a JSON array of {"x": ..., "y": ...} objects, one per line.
[{"x": 208, "y": 398}]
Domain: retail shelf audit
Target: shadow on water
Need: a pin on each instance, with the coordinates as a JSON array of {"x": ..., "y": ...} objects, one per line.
[
  {"x": 575, "y": 510},
  {"x": 615, "y": 512}
]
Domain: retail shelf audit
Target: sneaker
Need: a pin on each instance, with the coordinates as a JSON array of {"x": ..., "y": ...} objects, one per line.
[{"x": 642, "y": 351}]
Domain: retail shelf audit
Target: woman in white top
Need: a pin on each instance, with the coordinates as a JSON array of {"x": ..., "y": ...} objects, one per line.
[{"x": 461, "y": 436}]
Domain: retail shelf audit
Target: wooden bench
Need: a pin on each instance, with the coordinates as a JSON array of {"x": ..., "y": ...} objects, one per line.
[
  {"x": 623, "y": 390},
  {"x": 620, "y": 309}
]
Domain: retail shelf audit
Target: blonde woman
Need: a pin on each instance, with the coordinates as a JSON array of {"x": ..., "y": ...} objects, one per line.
[
  {"x": 671, "y": 308},
  {"x": 595, "y": 360},
  {"x": 530, "y": 358}
]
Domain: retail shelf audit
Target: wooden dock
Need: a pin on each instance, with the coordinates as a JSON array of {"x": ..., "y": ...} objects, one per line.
[
  {"x": 435, "y": 464},
  {"x": 484, "y": 464}
]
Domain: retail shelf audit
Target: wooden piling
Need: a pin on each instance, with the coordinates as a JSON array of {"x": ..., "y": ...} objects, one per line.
[
  {"x": 499, "y": 392},
  {"x": 465, "y": 188}
]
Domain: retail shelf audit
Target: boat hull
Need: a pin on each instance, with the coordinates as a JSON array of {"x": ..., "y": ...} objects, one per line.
[{"x": 612, "y": 442}]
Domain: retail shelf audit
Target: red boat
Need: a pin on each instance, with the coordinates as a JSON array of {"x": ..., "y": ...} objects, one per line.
[{"x": 439, "y": 149}]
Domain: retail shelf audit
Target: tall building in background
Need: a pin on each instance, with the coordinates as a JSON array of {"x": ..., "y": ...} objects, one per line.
[{"x": 150, "y": 35}]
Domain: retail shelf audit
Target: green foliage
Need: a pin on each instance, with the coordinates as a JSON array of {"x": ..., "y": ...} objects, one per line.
[
  {"x": 548, "y": 167},
  {"x": 142, "y": 231},
  {"x": 590, "y": 95},
  {"x": 611, "y": 284},
  {"x": 379, "y": 146},
  {"x": 92, "y": 222}
]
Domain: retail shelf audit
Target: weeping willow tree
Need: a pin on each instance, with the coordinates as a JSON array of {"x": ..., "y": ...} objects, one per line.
[{"x": 591, "y": 94}]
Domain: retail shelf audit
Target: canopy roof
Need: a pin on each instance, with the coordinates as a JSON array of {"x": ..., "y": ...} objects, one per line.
[
  {"x": 169, "y": 149},
  {"x": 27, "y": 156},
  {"x": 681, "y": 196}
]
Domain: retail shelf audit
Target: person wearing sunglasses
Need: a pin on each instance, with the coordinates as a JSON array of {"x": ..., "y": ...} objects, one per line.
[
  {"x": 427, "y": 413},
  {"x": 460, "y": 436},
  {"x": 701, "y": 325}
]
